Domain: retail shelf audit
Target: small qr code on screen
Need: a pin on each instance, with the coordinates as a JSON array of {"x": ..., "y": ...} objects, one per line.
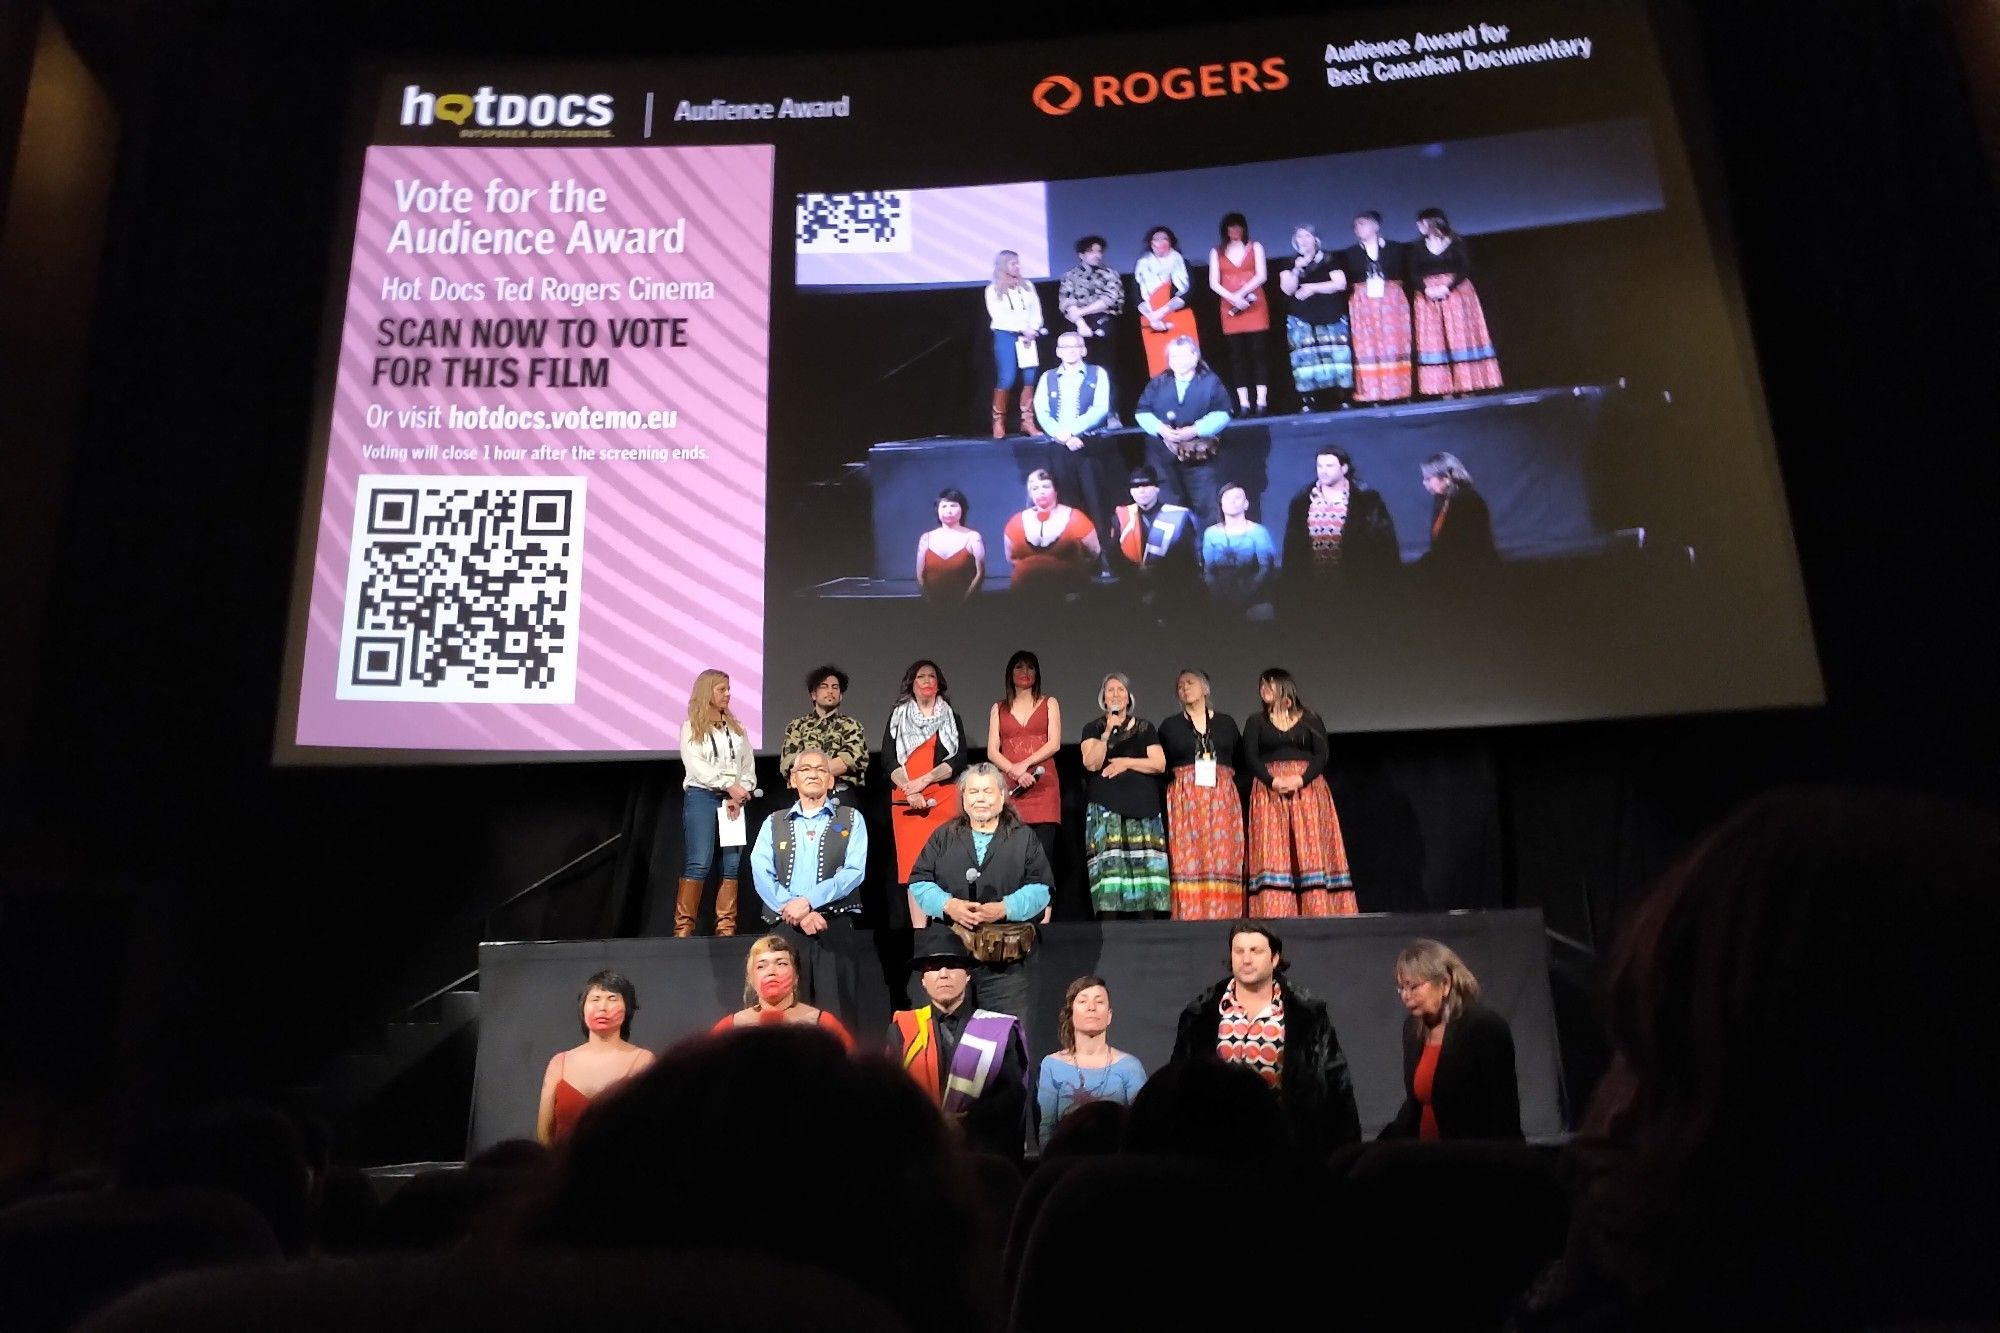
[
  {"x": 861, "y": 222},
  {"x": 463, "y": 590}
]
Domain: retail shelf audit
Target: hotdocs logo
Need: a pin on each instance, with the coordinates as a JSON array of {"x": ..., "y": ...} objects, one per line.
[
  {"x": 520, "y": 112},
  {"x": 1059, "y": 94}
]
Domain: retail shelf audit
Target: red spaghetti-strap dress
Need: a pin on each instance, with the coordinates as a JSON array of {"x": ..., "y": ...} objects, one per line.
[
  {"x": 947, "y": 578},
  {"x": 1041, "y": 803},
  {"x": 570, "y": 1104}
]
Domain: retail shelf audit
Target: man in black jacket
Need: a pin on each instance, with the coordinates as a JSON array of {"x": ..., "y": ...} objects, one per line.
[
  {"x": 1271, "y": 1025},
  {"x": 1183, "y": 411},
  {"x": 986, "y": 875},
  {"x": 1362, "y": 550}
]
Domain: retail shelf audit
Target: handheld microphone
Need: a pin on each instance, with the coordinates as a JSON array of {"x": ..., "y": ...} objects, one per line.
[
  {"x": 972, "y": 874},
  {"x": 1033, "y": 778}
]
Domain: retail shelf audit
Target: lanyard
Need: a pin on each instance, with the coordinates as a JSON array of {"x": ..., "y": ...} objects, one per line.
[
  {"x": 1204, "y": 739},
  {"x": 715, "y": 758}
]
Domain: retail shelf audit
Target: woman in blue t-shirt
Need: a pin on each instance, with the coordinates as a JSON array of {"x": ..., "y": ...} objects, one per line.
[{"x": 1087, "y": 1068}]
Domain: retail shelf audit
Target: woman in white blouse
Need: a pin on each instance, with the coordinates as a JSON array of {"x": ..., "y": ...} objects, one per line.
[
  {"x": 721, "y": 767},
  {"x": 1016, "y": 314}
]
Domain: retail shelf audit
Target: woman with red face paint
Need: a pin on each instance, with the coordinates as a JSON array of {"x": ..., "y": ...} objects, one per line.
[
  {"x": 771, "y": 993},
  {"x": 578, "y": 1076}
]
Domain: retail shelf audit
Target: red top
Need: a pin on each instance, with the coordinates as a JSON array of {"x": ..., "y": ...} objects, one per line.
[
  {"x": 1257, "y": 319},
  {"x": 570, "y": 1106},
  {"x": 571, "y": 1103},
  {"x": 1420, "y": 1084},
  {"x": 946, "y": 577},
  {"x": 1055, "y": 556},
  {"x": 1041, "y": 803},
  {"x": 826, "y": 1021}
]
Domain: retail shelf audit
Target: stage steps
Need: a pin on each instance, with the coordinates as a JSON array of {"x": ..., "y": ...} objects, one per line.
[{"x": 402, "y": 1097}]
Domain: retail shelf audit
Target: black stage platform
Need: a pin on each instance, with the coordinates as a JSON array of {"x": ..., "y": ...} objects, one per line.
[
  {"x": 1531, "y": 454},
  {"x": 528, "y": 997}
]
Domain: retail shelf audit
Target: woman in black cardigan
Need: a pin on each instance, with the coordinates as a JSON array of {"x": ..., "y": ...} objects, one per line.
[
  {"x": 1458, "y": 1055},
  {"x": 1461, "y": 523}
]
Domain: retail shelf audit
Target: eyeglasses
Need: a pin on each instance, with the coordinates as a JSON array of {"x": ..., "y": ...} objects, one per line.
[{"x": 1412, "y": 987}]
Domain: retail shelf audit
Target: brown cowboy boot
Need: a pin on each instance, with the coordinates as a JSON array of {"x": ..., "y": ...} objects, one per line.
[
  {"x": 999, "y": 414},
  {"x": 687, "y": 904},
  {"x": 1029, "y": 426},
  {"x": 725, "y": 907}
]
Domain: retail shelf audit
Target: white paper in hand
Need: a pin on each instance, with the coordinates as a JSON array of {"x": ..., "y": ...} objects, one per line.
[{"x": 731, "y": 830}]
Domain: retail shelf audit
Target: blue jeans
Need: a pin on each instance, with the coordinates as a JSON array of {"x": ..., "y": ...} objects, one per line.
[
  {"x": 1007, "y": 370},
  {"x": 699, "y": 835}
]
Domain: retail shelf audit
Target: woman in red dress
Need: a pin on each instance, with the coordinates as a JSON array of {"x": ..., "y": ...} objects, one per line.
[
  {"x": 1236, "y": 274},
  {"x": 951, "y": 558},
  {"x": 578, "y": 1076},
  {"x": 926, "y": 738},
  {"x": 771, "y": 993},
  {"x": 1023, "y": 733},
  {"x": 1052, "y": 546},
  {"x": 1162, "y": 278}
]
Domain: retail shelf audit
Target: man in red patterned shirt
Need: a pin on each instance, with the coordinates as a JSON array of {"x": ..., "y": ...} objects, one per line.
[{"x": 1259, "y": 1018}]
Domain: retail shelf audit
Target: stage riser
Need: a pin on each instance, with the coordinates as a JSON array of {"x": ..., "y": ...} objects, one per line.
[
  {"x": 528, "y": 997},
  {"x": 1526, "y": 453}
]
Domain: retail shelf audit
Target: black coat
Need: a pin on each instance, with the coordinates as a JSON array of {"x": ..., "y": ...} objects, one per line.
[
  {"x": 1014, "y": 858},
  {"x": 1465, "y": 538},
  {"x": 1315, "y": 1087},
  {"x": 1368, "y": 543},
  {"x": 1474, "y": 1093}
]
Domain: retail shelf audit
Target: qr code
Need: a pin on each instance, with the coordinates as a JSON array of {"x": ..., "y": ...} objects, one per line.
[
  {"x": 463, "y": 590},
  {"x": 862, "y": 222}
]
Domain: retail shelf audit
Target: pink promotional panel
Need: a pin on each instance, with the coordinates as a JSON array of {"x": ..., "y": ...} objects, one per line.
[{"x": 543, "y": 510}]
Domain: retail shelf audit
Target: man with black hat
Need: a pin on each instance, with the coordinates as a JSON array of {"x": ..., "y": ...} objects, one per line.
[
  {"x": 1159, "y": 544},
  {"x": 972, "y": 1062},
  {"x": 1261, "y": 1019}
]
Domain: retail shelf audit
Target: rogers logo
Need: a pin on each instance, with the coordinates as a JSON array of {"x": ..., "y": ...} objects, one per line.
[
  {"x": 1058, "y": 94},
  {"x": 506, "y": 110}
]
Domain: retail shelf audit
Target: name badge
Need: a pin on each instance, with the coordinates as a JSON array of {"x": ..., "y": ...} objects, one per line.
[
  {"x": 1204, "y": 772},
  {"x": 1375, "y": 287}
]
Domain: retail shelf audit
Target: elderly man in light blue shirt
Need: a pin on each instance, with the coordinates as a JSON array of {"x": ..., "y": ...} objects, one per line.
[{"x": 807, "y": 866}]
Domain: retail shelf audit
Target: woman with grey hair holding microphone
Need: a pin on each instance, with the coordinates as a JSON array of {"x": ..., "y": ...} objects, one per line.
[
  {"x": 1124, "y": 836},
  {"x": 985, "y": 873}
]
